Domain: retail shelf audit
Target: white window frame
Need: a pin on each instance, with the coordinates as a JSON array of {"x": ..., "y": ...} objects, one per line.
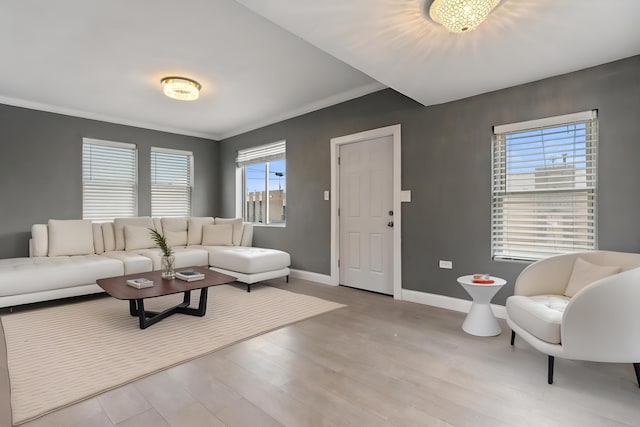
[
  {"x": 522, "y": 214},
  {"x": 252, "y": 156},
  {"x": 172, "y": 208},
  {"x": 97, "y": 200}
]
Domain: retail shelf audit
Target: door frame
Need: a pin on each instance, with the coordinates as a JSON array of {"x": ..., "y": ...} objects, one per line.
[{"x": 394, "y": 132}]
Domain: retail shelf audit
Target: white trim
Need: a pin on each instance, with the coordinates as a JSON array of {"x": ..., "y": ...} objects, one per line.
[
  {"x": 310, "y": 276},
  {"x": 393, "y": 131},
  {"x": 239, "y": 194},
  {"x": 314, "y": 106},
  {"x": 449, "y": 303},
  {"x": 102, "y": 117},
  {"x": 547, "y": 121}
]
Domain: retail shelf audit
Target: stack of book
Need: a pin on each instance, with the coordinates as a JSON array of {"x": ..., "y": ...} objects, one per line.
[
  {"x": 189, "y": 275},
  {"x": 140, "y": 283}
]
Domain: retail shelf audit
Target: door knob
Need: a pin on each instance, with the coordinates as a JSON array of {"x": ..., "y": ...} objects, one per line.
[
  {"x": 390, "y": 213},
  {"x": 390, "y": 224}
]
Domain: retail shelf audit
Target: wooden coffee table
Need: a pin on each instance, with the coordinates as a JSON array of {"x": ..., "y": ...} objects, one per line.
[{"x": 117, "y": 287}]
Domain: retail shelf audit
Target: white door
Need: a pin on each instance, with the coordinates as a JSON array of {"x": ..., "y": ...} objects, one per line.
[{"x": 366, "y": 215}]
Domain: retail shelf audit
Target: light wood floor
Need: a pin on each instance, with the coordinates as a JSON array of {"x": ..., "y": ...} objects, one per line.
[{"x": 378, "y": 362}]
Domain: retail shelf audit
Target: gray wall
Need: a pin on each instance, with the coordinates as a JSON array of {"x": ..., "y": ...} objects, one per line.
[
  {"x": 41, "y": 169},
  {"x": 446, "y": 161}
]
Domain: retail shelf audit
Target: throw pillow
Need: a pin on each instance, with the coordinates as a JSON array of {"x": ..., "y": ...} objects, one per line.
[
  {"x": 237, "y": 228},
  {"x": 136, "y": 237},
  {"x": 194, "y": 229},
  {"x": 217, "y": 235},
  {"x": 175, "y": 238},
  {"x": 70, "y": 237},
  {"x": 119, "y": 223},
  {"x": 585, "y": 273},
  {"x": 175, "y": 230}
]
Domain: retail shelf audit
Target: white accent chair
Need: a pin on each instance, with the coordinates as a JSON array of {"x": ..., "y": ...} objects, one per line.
[{"x": 598, "y": 322}]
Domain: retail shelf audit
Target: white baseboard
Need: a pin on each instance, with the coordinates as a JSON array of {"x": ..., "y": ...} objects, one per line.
[
  {"x": 310, "y": 276},
  {"x": 449, "y": 303},
  {"x": 426, "y": 298}
]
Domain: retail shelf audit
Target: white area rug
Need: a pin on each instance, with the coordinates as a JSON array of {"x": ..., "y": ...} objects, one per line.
[{"x": 61, "y": 355}]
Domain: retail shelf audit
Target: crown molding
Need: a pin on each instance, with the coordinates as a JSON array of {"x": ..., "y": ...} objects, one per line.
[
  {"x": 101, "y": 117},
  {"x": 314, "y": 106}
]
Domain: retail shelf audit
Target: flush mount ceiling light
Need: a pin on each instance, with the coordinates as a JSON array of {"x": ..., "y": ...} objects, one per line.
[
  {"x": 461, "y": 16},
  {"x": 181, "y": 88}
]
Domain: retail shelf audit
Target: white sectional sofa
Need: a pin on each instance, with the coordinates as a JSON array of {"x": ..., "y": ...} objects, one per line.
[{"x": 66, "y": 257}]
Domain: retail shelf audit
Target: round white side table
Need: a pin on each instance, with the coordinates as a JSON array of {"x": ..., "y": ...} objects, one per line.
[{"x": 480, "y": 321}]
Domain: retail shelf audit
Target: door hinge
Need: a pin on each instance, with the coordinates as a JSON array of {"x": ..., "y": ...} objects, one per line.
[
  {"x": 338, "y": 263},
  {"x": 338, "y": 211},
  {"x": 338, "y": 160}
]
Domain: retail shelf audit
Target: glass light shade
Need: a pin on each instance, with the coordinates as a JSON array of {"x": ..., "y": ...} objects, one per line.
[
  {"x": 181, "y": 88},
  {"x": 461, "y": 16}
]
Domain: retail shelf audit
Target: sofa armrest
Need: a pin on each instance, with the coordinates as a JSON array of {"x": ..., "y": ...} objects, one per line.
[{"x": 601, "y": 321}]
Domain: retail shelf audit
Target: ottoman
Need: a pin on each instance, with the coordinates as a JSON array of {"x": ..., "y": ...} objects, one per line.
[{"x": 249, "y": 264}]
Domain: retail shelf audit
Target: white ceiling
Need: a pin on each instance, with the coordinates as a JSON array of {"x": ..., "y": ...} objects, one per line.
[{"x": 104, "y": 59}]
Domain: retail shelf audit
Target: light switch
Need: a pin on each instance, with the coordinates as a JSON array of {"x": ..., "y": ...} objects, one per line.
[
  {"x": 326, "y": 194},
  {"x": 405, "y": 196}
]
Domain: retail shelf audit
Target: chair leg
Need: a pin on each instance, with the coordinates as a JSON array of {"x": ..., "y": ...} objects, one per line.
[
  {"x": 287, "y": 278},
  {"x": 513, "y": 337},
  {"x": 636, "y": 366},
  {"x": 248, "y": 287},
  {"x": 550, "y": 372}
]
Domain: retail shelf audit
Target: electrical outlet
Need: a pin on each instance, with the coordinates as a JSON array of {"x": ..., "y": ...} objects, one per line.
[{"x": 446, "y": 264}]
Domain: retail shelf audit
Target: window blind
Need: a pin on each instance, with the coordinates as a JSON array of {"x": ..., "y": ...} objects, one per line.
[
  {"x": 171, "y": 182},
  {"x": 544, "y": 187},
  {"x": 261, "y": 154},
  {"x": 109, "y": 180}
]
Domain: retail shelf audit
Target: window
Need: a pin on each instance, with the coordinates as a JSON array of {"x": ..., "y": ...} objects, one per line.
[
  {"x": 109, "y": 180},
  {"x": 544, "y": 187},
  {"x": 264, "y": 183},
  {"x": 171, "y": 182}
]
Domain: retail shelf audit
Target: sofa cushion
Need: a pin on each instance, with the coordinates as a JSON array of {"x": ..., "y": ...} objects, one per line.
[
  {"x": 184, "y": 257},
  {"x": 237, "y": 228},
  {"x": 194, "y": 229},
  {"x": 247, "y": 260},
  {"x": 137, "y": 238},
  {"x": 217, "y": 235},
  {"x": 175, "y": 230},
  {"x": 109, "y": 236},
  {"x": 98, "y": 240},
  {"x": 188, "y": 257},
  {"x": 39, "y": 240},
  {"x": 133, "y": 263},
  {"x": 70, "y": 237},
  {"x": 585, "y": 273},
  {"x": 28, "y": 275},
  {"x": 540, "y": 315},
  {"x": 119, "y": 224}
]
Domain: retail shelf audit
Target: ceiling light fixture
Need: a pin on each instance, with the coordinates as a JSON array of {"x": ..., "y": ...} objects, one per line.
[
  {"x": 461, "y": 16},
  {"x": 181, "y": 88}
]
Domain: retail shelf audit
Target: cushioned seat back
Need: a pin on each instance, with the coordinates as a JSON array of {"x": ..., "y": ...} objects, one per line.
[
  {"x": 175, "y": 230},
  {"x": 120, "y": 223}
]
